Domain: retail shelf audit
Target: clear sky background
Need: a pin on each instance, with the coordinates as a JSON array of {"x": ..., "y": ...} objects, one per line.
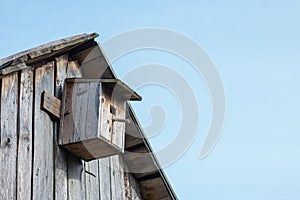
[{"x": 256, "y": 48}]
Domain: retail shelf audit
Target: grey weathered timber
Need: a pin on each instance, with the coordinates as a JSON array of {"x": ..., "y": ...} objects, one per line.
[
  {"x": 134, "y": 188},
  {"x": 50, "y": 104},
  {"x": 43, "y": 136},
  {"x": 118, "y": 127},
  {"x": 76, "y": 171},
  {"x": 104, "y": 179},
  {"x": 16, "y": 62},
  {"x": 93, "y": 63},
  {"x": 153, "y": 189},
  {"x": 140, "y": 161},
  {"x": 25, "y": 135},
  {"x": 92, "y": 180},
  {"x": 60, "y": 155},
  {"x": 133, "y": 135},
  {"x": 105, "y": 124},
  {"x": 93, "y": 118},
  {"x": 131, "y": 185},
  {"x": 76, "y": 178},
  {"x": 73, "y": 69},
  {"x": 117, "y": 178},
  {"x": 8, "y": 151},
  {"x": 33, "y": 165}
]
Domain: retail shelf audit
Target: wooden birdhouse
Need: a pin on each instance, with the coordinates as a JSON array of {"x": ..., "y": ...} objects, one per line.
[{"x": 93, "y": 117}]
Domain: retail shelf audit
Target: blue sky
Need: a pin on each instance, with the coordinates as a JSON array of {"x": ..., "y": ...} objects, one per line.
[{"x": 255, "y": 46}]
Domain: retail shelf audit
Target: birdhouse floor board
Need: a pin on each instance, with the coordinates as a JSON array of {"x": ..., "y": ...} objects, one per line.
[{"x": 92, "y": 149}]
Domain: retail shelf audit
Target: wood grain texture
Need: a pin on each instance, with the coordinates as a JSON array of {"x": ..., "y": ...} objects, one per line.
[
  {"x": 60, "y": 155},
  {"x": 117, "y": 178},
  {"x": 76, "y": 171},
  {"x": 8, "y": 151},
  {"x": 50, "y": 104},
  {"x": 43, "y": 136},
  {"x": 76, "y": 178},
  {"x": 79, "y": 111},
  {"x": 135, "y": 190},
  {"x": 43, "y": 52},
  {"x": 25, "y": 135},
  {"x": 105, "y": 122},
  {"x": 104, "y": 179},
  {"x": 92, "y": 180},
  {"x": 153, "y": 189},
  {"x": 140, "y": 161},
  {"x": 92, "y": 117},
  {"x": 118, "y": 128},
  {"x": 67, "y": 115},
  {"x": 66, "y": 118},
  {"x": 73, "y": 70}
]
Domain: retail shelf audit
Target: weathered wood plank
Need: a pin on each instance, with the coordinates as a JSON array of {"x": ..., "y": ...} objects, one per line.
[
  {"x": 118, "y": 128},
  {"x": 91, "y": 126},
  {"x": 105, "y": 124},
  {"x": 50, "y": 104},
  {"x": 133, "y": 134},
  {"x": 60, "y": 155},
  {"x": 93, "y": 63},
  {"x": 43, "y": 136},
  {"x": 67, "y": 116},
  {"x": 76, "y": 178},
  {"x": 117, "y": 178},
  {"x": 153, "y": 189},
  {"x": 79, "y": 112},
  {"x": 25, "y": 135},
  {"x": 104, "y": 179},
  {"x": 76, "y": 172},
  {"x": 131, "y": 185},
  {"x": 43, "y": 52},
  {"x": 8, "y": 150},
  {"x": 135, "y": 190},
  {"x": 140, "y": 161},
  {"x": 92, "y": 180},
  {"x": 73, "y": 69}
]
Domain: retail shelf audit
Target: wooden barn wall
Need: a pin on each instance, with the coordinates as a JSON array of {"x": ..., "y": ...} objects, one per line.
[{"x": 32, "y": 166}]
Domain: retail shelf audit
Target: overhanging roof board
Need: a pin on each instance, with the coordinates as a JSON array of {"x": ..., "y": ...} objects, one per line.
[
  {"x": 20, "y": 60},
  {"x": 29, "y": 57},
  {"x": 112, "y": 84}
]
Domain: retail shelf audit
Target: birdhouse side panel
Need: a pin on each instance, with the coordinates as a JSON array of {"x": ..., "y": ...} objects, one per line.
[
  {"x": 118, "y": 126},
  {"x": 105, "y": 120}
]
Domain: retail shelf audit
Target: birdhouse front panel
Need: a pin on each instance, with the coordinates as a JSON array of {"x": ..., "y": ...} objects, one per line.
[{"x": 93, "y": 117}]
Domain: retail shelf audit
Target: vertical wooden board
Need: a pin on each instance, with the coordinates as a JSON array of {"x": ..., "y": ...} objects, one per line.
[
  {"x": 127, "y": 185},
  {"x": 135, "y": 191},
  {"x": 104, "y": 126},
  {"x": 92, "y": 180},
  {"x": 104, "y": 179},
  {"x": 60, "y": 155},
  {"x": 81, "y": 93},
  {"x": 8, "y": 150},
  {"x": 76, "y": 178},
  {"x": 131, "y": 185},
  {"x": 67, "y": 119},
  {"x": 25, "y": 135},
  {"x": 117, "y": 178},
  {"x": 43, "y": 174},
  {"x": 92, "y": 111},
  {"x": 76, "y": 174},
  {"x": 118, "y": 128},
  {"x": 73, "y": 69}
]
